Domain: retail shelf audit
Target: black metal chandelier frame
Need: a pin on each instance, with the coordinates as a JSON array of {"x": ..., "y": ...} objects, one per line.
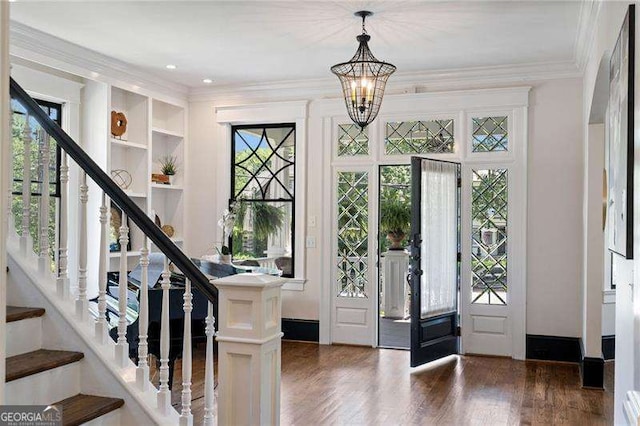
[{"x": 363, "y": 79}]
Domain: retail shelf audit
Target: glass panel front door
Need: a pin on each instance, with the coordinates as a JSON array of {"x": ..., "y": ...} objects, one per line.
[{"x": 434, "y": 259}]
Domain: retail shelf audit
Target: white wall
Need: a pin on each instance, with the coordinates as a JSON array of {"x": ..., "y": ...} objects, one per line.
[
  {"x": 555, "y": 209},
  {"x": 605, "y": 34},
  {"x": 555, "y": 204},
  {"x": 608, "y": 319}
]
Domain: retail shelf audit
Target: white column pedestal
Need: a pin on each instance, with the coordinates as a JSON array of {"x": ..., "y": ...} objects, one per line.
[
  {"x": 249, "y": 349},
  {"x": 395, "y": 267}
]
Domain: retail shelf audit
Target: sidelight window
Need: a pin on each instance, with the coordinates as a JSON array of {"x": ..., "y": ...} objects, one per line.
[
  {"x": 353, "y": 234},
  {"x": 489, "y": 239}
]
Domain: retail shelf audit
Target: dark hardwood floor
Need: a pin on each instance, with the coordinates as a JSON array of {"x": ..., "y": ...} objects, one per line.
[{"x": 344, "y": 385}]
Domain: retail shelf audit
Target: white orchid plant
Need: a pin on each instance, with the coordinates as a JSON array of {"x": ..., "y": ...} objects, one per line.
[{"x": 227, "y": 222}]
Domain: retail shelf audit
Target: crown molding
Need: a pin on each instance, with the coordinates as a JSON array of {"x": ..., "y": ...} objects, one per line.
[
  {"x": 586, "y": 36},
  {"x": 38, "y": 46},
  {"x": 453, "y": 79}
]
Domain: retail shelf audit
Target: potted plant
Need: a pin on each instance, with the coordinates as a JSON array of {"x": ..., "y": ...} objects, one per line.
[
  {"x": 395, "y": 221},
  {"x": 255, "y": 223},
  {"x": 168, "y": 166},
  {"x": 267, "y": 220}
]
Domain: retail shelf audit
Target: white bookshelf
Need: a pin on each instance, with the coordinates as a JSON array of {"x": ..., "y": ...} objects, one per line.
[{"x": 155, "y": 129}]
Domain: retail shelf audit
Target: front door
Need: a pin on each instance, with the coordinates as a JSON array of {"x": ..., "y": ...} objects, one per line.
[{"x": 434, "y": 265}]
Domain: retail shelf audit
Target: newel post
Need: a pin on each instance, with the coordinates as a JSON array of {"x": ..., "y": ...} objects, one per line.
[{"x": 249, "y": 349}]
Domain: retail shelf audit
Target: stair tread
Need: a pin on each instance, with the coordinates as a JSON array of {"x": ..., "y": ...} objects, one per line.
[
  {"x": 82, "y": 408},
  {"x": 17, "y": 313},
  {"x": 37, "y": 361}
]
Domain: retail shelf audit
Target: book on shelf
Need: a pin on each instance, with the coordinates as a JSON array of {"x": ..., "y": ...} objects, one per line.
[{"x": 159, "y": 178}]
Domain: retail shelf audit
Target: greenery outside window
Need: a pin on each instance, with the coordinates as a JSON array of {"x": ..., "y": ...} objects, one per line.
[
  {"x": 18, "y": 123},
  {"x": 263, "y": 186}
]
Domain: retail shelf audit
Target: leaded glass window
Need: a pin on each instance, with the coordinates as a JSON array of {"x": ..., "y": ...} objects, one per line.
[
  {"x": 489, "y": 238},
  {"x": 419, "y": 137},
  {"x": 263, "y": 187},
  {"x": 353, "y": 234},
  {"x": 352, "y": 140},
  {"x": 490, "y": 134}
]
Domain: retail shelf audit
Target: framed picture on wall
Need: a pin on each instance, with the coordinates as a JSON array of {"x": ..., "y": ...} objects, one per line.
[{"x": 620, "y": 132}]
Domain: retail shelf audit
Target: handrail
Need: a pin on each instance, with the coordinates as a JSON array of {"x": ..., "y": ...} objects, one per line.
[{"x": 116, "y": 194}]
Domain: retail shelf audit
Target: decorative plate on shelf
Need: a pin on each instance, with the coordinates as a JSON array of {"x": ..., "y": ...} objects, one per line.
[{"x": 118, "y": 123}]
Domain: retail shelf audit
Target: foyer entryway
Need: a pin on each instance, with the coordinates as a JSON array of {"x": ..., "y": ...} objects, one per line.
[{"x": 394, "y": 223}]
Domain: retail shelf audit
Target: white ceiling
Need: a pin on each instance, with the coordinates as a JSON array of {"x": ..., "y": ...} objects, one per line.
[{"x": 237, "y": 42}]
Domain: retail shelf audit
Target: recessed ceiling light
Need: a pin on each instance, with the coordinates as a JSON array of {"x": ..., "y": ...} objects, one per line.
[
  {"x": 171, "y": 67},
  {"x": 207, "y": 81}
]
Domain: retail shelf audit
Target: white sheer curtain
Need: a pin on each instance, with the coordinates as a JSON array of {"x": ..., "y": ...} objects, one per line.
[{"x": 438, "y": 284}]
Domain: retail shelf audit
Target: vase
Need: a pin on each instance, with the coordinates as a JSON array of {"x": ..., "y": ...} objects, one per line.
[{"x": 395, "y": 238}]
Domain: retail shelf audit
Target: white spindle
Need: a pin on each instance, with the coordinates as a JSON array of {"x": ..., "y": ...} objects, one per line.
[
  {"x": 81, "y": 301},
  {"x": 102, "y": 329},
  {"x": 13, "y": 231},
  {"x": 25, "y": 237},
  {"x": 44, "y": 261},
  {"x": 63, "y": 259},
  {"x": 164, "y": 395},
  {"x": 122, "y": 347},
  {"x": 209, "y": 386},
  {"x": 142, "y": 371},
  {"x": 186, "y": 418}
]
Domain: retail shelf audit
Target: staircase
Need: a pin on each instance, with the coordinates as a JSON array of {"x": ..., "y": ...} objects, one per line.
[
  {"x": 61, "y": 352},
  {"x": 38, "y": 376}
]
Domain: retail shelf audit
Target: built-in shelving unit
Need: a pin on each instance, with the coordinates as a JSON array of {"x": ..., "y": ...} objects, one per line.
[
  {"x": 155, "y": 129},
  {"x": 167, "y": 139}
]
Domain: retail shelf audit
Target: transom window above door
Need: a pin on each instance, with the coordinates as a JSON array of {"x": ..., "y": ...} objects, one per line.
[
  {"x": 490, "y": 134},
  {"x": 352, "y": 140},
  {"x": 419, "y": 137}
]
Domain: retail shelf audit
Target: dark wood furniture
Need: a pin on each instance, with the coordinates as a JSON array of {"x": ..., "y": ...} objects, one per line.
[{"x": 176, "y": 313}]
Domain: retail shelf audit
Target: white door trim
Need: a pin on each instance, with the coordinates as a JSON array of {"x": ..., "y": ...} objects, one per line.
[{"x": 461, "y": 105}]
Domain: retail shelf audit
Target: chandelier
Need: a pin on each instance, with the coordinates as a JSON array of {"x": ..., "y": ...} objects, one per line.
[{"x": 363, "y": 79}]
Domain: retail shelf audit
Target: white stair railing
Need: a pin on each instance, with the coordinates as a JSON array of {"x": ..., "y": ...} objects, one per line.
[
  {"x": 209, "y": 382},
  {"x": 81, "y": 301},
  {"x": 122, "y": 347},
  {"x": 164, "y": 395},
  {"x": 102, "y": 328},
  {"x": 44, "y": 261},
  {"x": 142, "y": 371},
  {"x": 25, "y": 235},
  {"x": 63, "y": 238},
  {"x": 186, "y": 418}
]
